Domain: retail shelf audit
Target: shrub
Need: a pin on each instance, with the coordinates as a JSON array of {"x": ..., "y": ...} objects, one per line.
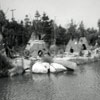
[{"x": 5, "y": 65}]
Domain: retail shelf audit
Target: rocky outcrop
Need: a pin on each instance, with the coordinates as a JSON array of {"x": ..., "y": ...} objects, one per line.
[{"x": 17, "y": 70}]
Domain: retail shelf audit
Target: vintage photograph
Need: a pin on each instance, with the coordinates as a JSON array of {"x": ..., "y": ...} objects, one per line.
[{"x": 49, "y": 49}]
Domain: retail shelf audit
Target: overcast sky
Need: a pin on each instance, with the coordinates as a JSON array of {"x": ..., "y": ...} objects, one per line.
[{"x": 60, "y": 10}]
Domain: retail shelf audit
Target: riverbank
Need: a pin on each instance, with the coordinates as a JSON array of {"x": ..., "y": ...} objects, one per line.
[
  {"x": 88, "y": 57},
  {"x": 21, "y": 64},
  {"x": 85, "y": 60}
]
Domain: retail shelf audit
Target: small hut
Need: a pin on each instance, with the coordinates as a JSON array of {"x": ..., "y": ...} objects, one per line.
[
  {"x": 35, "y": 48},
  {"x": 76, "y": 45}
]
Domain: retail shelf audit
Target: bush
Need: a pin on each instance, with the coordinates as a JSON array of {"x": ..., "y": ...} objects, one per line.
[
  {"x": 47, "y": 59},
  {"x": 4, "y": 66}
]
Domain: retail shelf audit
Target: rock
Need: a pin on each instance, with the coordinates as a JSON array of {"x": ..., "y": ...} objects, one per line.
[{"x": 17, "y": 70}]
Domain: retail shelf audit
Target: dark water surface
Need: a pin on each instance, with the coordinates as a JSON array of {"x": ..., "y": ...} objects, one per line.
[{"x": 83, "y": 84}]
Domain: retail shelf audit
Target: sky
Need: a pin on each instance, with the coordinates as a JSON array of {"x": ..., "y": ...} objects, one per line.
[{"x": 62, "y": 11}]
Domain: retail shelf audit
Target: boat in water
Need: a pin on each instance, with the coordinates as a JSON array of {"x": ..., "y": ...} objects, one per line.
[{"x": 45, "y": 67}]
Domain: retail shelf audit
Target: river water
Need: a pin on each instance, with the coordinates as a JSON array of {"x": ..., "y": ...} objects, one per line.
[{"x": 83, "y": 84}]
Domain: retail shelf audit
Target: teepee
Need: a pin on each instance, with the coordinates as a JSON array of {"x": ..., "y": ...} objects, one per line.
[{"x": 76, "y": 45}]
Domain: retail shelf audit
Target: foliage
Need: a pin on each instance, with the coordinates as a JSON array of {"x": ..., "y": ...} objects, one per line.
[
  {"x": 72, "y": 30},
  {"x": 17, "y": 34},
  {"x": 92, "y": 36},
  {"x": 4, "y": 66},
  {"x": 37, "y": 28},
  {"x": 61, "y": 36},
  {"x": 47, "y": 59},
  {"x": 81, "y": 30},
  {"x": 47, "y": 25},
  {"x": 2, "y": 20},
  {"x": 37, "y": 15}
]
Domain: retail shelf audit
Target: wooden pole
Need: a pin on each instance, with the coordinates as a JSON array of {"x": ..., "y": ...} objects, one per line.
[{"x": 13, "y": 14}]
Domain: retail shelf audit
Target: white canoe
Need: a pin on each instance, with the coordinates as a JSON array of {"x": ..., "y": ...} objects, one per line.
[
  {"x": 66, "y": 63},
  {"x": 43, "y": 67},
  {"x": 57, "y": 67},
  {"x": 38, "y": 67}
]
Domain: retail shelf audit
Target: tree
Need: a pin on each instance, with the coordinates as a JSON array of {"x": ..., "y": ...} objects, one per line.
[
  {"x": 91, "y": 35},
  {"x": 2, "y": 17},
  {"x": 72, "y": 31},
  {"x": 45, "y": 18},
  {"x": 37, "y": 26},
  {"x": 27, "y": 21},
  {"x": 81, "y": 30},
  {"x": 37, "y": 15},
  {"x": 61, "y": 36},
  {"x": 2, "y": 20},
  {"x": 99, "y": 25},
  {"x": 15, "y": 34},
  {"x": 47, "y": 29}
]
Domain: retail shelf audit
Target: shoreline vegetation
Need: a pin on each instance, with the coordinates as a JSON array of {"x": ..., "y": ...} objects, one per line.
[
  {"x": 5, "y": 65},
  {"x": 13, "y": 67}
]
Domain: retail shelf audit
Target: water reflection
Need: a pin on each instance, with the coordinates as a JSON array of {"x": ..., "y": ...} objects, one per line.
[{"x": 83, "y": 84}]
